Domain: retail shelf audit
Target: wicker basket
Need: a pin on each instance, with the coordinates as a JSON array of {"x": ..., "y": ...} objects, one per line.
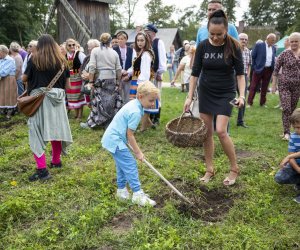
[{"x": 186, "y": 131}]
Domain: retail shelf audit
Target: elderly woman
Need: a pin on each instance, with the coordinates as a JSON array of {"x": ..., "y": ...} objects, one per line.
[
  {"x": 289, "y": 81},
  {"x": 8, "y": 84},
  {"x": 50, "y": 122},
  {"x": 31, "y": 49},
  {"x": 14, "y": 53},
  {"x": 75, "y": 59},
  {"x": 104, "y": 71}
]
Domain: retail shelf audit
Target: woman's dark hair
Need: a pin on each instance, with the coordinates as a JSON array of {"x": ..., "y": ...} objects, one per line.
[
  {"x": 219, "y": 17},
  {"x": 48, "y": 55}
]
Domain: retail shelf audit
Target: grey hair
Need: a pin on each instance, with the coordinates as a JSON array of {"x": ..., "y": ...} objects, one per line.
[
  {"x": 4, "y": 49},
  {"x": 271, "y": 35},
  {"x": 94, "y": 42},
  {"x": 295, "y": 35},
  {"x": 14, "y": 46}
]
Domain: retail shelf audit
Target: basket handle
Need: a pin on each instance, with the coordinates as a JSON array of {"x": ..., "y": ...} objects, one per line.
[{"x": 189, "y": 111}]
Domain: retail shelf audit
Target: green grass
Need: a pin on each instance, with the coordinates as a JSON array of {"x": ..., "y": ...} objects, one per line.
[{"x": 77, "y": 208}]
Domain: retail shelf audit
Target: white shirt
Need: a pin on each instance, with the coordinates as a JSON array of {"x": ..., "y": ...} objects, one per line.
[
  {"x": 145, "y": 67},
  {"x": 162, "y": 67},
  {"x": 123, "y": 55},
  {"x": 269, "y": 52},
  {"x": 187, "y": 70}
]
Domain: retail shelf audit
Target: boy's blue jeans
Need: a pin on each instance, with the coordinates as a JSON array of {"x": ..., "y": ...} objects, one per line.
[
  {"x": 127, "y": 170},
  {"x": 287, "y": 175}
]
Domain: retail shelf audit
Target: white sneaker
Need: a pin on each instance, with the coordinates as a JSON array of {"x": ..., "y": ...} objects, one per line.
[
  {"x": 123, "y": 194},
  {"x": 142, "y": 199}
]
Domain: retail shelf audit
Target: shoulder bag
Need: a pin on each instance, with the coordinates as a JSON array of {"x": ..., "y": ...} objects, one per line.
[{"x": 29, "y": 104}]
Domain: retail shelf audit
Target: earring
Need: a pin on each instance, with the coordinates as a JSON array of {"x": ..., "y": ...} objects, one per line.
[{"x": 225, "y": 36}]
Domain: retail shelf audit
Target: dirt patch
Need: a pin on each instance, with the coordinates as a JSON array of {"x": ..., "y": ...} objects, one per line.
[
  {"x": 122, "y": 223},
  {"x": 210, "y": 205},
  {"x": 9, "y": 124},
  {"x": 242, "y": 154}
]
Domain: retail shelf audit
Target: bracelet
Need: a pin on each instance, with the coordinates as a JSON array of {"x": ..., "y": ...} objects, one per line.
[
  {"x": 91, "y": 81},
  {"x": 243, "y": 97}
]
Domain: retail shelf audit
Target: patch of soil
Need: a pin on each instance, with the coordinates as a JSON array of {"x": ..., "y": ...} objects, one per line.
[
  {"x": 122, "y": 223},
  {"x": 9, "y": 124},
  {"x": 242, "y": 154},
  {"x": 209, "y": 205}
]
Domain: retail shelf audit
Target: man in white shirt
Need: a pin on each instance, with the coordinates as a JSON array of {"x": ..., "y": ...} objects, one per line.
[
  {"x": 160, "y": 63},
  {"x": 263, "y": 61}
]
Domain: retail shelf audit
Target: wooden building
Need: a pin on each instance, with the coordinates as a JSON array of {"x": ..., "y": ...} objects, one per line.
[{"x": 81, "y": 19}]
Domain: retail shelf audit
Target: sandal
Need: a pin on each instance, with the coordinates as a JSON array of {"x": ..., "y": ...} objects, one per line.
[
  {"x": 229, "y": 182},
  {"x": 207, "y": 176}
]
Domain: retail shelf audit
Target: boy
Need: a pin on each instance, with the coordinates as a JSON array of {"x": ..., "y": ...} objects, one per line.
[
  {"x": 120, "y": 132},
  {"x": 290, "y": 169}
]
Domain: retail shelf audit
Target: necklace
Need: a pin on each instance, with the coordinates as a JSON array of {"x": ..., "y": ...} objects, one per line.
[{"x": 214, "y": 44}]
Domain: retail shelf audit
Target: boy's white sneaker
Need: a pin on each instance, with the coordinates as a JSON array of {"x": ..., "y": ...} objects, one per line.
[
  {"x": 123, "y": 194},
  {"x": 142, "y": 199}
]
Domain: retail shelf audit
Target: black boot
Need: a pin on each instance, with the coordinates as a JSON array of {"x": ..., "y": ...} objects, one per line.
[{"x": 40, "y": 174}]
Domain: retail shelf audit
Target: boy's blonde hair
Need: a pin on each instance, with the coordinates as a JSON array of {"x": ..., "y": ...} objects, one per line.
[
  {"x": 295, "y": 117},
  {"x": 146, "y": 88}
]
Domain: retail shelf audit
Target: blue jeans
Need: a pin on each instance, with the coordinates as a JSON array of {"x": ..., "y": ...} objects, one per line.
[
  {"x": 20, "y": 87},
  {"x": 172, "y": 71},
  {"x": 127, "y": 170},
  {"x": 287, "y": 175}
]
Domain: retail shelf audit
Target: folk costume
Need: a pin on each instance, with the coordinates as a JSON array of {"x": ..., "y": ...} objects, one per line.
[
  {"x": 106, "y": 102},
  {"x": 75, "y": 99}
]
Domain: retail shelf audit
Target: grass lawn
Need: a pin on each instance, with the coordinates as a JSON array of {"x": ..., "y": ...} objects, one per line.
[{"x": 77, "y": 208}]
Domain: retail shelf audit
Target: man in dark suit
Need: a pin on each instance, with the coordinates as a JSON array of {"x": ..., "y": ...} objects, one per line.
[
  {"x": 263, "y": 61},
  {"x": 126, "y": 55}
]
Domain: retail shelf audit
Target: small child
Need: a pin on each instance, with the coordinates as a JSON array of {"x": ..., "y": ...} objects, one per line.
[
  {"x": 290, "y": 169},
  {"x": 120, "y": 132}
]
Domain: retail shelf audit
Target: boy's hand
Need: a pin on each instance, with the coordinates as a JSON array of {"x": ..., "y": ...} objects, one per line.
[
  {"x": 140, "y": 156},
  {"x": 284, "y": 161}
]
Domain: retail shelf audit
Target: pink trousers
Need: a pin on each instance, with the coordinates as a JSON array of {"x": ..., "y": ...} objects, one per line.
[{"x": 56, "y": 153}]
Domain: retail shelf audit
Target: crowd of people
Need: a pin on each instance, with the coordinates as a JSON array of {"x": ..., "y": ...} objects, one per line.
[{"x": 122, "y": 84}]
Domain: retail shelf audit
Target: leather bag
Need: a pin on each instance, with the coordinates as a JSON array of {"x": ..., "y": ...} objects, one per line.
[{"x": 29, "y": 104}]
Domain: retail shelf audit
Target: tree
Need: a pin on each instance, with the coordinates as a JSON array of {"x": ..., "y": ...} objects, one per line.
[
  {"x": 159, "y": 14},
  {"x": 284, "y": 14},
  {"x": 116, "y": 16},
  {"x": 188, "y": 23},
  {"x": 21, "y": 20},
  {"x": 260, "y": 12},
  {"x": 229, "y": 6},
  {"x": 129, "y": 7}
]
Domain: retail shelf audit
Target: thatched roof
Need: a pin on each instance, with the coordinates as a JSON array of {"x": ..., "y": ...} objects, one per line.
[{"x": 168, "y": 36}]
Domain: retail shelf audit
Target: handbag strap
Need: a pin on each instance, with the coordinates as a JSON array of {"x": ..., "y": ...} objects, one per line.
[{"x": 56, "y": 77}]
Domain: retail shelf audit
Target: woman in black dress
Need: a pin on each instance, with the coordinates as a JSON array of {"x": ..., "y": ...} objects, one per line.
[{"x": 219, "y": 60}]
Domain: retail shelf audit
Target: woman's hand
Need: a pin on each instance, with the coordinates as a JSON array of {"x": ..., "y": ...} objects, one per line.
[
  {"x": 187, "y": 104},
  {"x": 240, "y": 102}
]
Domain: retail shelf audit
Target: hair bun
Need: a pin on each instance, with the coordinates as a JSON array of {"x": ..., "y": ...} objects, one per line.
[
  {"x": 105, "y": 38},
  {"x": 218, "y": 13}
]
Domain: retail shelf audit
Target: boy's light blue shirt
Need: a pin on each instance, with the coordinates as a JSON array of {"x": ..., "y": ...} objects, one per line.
[
  {"x": 294, "y": 145},
  {"x": 128, "y": 117},
  {"x": 203, "y": 33}
]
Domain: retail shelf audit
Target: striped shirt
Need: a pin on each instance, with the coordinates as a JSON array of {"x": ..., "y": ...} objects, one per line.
[
  {"x": 294, "y": 145},
  {"x": 247, "y": 59}
]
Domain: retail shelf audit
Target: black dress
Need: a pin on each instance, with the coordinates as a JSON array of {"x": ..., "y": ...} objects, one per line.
[{"x": 217, "y": 80}]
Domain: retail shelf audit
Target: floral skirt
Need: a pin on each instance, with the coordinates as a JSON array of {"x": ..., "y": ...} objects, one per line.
[{"x": 105, "y": 103}]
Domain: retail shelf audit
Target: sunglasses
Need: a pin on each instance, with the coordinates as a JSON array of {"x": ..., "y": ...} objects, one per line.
[
  {"x": 29, "y": 46},
  {"x": 71, "y": 45}
]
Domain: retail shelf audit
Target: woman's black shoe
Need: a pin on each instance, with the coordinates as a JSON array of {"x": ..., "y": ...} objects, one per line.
[
  {"x": 40, "y": 174},
  {"x": 58, "y": 165}
]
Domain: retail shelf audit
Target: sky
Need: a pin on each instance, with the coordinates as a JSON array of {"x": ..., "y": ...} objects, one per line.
[{"x": 140, "y": 14}]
